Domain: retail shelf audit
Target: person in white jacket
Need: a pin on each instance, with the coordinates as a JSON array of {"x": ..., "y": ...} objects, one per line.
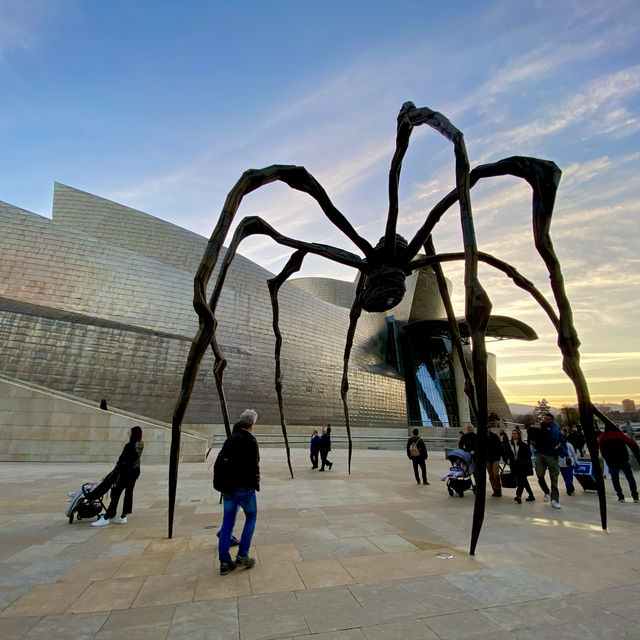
[{"x": 567, "y": 464}]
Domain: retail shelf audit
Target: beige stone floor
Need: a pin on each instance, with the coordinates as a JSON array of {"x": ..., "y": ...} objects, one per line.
[{"x": 339, "y": 557}]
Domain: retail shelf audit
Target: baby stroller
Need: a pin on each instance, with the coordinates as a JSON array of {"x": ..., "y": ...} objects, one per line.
[
  {"x": 87, "y": 501},
  {"x": 460, "y": 477}
]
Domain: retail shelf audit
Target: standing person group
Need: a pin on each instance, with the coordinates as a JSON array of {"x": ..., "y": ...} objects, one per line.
[
  {"x": 128, "y": 467},
  {"x": 418, "y": 454}
]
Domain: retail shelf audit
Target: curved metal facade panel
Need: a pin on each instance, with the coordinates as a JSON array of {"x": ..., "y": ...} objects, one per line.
[
  {"x": 94, "y": 317},
  {"x": 97, "y": 302}
]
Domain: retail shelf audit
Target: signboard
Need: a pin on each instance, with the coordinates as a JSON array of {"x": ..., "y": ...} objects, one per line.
[{"x": 585, "y": 467}]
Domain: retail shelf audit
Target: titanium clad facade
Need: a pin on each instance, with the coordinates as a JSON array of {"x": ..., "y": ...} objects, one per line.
[
  {"x": 97, "y": 302},
  {"x": 110, "y": 316}
]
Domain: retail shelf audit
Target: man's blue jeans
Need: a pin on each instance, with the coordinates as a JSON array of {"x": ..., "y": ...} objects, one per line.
[{"x": 245, "y": 498}]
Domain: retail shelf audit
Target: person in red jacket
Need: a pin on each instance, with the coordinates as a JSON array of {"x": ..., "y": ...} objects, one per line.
[{"x": 613, "y": 446}]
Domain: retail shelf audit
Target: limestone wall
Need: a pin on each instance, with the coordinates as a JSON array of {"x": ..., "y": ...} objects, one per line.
[{"x": 37, "y": 425}]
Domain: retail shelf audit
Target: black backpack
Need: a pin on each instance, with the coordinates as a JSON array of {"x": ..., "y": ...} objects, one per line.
[{"x": 225, "y": 474}]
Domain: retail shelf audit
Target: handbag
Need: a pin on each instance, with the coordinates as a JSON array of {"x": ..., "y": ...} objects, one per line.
[{"x": 508, "y": 479}]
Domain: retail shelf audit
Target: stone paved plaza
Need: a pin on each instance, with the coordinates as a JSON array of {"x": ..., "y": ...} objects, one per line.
[{"x": 338, "y": 558}]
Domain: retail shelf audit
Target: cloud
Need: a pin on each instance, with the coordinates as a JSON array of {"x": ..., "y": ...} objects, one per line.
[
  {"x": 587, "y": 35},
  {"x": 598, "y": 98}
]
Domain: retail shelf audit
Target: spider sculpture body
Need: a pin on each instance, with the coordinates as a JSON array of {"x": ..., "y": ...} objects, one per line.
[{"x": 381, "y": 284}]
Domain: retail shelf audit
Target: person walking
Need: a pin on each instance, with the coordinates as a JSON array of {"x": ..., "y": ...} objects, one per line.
[
  {"x": 325, "y": 447},
  {"x": 128, "y": 467},
  {"x": 418, "y": 454},
  {"x": 548, "y": 444},
  {"x": 519, "y": 455},
  {"x": 242, "y": 448},
  {"x": 566, "y": 465},
  {"x": 613, "y": 446},
  {"x": 314, "y": 449}
]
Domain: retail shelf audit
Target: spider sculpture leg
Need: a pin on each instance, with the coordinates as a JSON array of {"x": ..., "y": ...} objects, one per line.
[
  {"x": 477, "y": 303},
  {"x": 543, "y": 176},
  {"x": 453, "y": 325},
  {"x": 354, "y": 316},
  {"x": 297, "y": 178},
  {"x": 293, "y": 265}
]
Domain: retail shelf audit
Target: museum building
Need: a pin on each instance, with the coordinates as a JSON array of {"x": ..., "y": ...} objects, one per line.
[{"x": 96, "y": 302}]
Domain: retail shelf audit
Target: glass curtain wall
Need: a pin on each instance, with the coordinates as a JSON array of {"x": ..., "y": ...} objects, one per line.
[{"x": 429, "y": 376}]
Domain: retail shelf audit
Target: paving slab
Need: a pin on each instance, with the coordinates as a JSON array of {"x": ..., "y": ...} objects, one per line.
[{"x": 365, "y": 556}]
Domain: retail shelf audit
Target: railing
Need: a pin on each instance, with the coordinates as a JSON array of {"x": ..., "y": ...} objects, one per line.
[{"x": 301, "y": 440}]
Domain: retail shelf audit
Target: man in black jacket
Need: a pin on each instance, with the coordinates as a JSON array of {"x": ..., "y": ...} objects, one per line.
[
  {"x": 243, "y": 450},
  {"x": 325, "y": 447}
]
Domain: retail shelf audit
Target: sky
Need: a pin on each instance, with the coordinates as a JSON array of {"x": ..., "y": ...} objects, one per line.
[{"x": 161, "y": 106}]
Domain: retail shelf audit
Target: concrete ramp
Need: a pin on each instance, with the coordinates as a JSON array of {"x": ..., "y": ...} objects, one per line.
[{"x": 41, "y": 425}]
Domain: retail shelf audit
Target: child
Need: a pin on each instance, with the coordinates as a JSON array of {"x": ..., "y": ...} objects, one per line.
[{"x": 457, "y": 470}]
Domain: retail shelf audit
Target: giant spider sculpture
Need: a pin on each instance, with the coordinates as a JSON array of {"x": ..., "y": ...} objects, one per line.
[{"x": 380, "y": 287}]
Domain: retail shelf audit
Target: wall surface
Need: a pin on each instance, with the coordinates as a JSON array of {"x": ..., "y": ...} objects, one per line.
[
  {"x": 38, "y": 425},
  {"x": 97, "y": 302}
]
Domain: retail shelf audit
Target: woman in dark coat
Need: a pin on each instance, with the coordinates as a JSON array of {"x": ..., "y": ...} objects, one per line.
[
  {"x": 518, "y": 453},
  {"x": 128, "y": 466}
]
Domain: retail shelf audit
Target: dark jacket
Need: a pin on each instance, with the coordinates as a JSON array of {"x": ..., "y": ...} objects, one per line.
[
  {"x": 548, "y": 440},
  {"x": 613, "y": 445},
  {"x": 494, "y": 447},
  {"x": 468, "y": 442},
  {"x": 246, "y": 458},
  {"x": 325, "y": 441},
  {"x": 315, "y": 443},
  {"x": 422, "y": 448},
  {"x": 576, "y": 439},
  {"x": 129, "y": 460},
  {"x": 520, "y": 459}
]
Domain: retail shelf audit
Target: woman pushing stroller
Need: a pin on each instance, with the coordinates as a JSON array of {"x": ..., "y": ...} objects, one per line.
[{"x": 128, "y": 468}]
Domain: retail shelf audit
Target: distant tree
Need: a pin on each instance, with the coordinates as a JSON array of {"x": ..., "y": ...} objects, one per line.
[
  {"x": 525, "y": 418},
  {"x": 542, "y": 408},
  {"x": 570, "y": 415}
]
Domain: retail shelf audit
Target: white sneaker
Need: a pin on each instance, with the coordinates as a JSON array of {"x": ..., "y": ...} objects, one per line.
[
  {"x": 122, "y": 520},
  {"x": 546, "y": 497},
  {"x": 555, "y": 505},
  {"x": 100, "y": 522}
]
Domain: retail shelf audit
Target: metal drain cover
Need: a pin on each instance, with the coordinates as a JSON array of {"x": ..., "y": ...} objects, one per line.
[{"x": 444, "y": 556}]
